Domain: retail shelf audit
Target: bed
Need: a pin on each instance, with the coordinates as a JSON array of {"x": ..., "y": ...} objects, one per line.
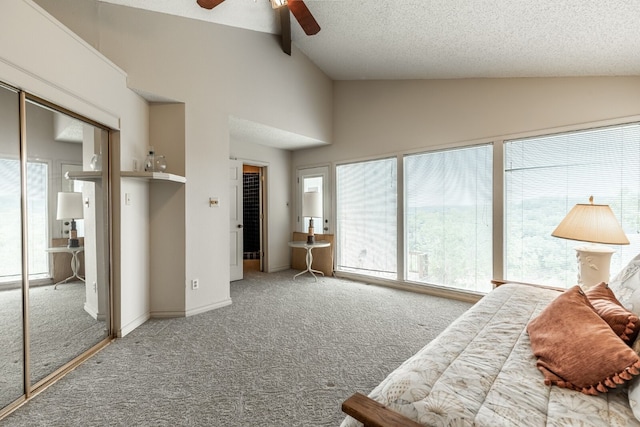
[{"x": 481, "y": 371}]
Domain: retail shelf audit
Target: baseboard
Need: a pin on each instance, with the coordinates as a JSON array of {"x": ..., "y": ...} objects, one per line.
[
  {"x": 129, "y": 327},
  {"x": 460, "y": 295},
  {"x": 276, "y": 269},
  {"x": 93, "y": 313},
  {"x": 167, "y": 314},
  {"x": 209, "y": 307}
]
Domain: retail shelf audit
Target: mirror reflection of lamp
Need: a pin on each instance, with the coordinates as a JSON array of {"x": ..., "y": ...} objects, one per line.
[
  {"x": 70, "y": 207},
  {"x": 593, "y": 224},
  {"x": 311, "y": 207}
]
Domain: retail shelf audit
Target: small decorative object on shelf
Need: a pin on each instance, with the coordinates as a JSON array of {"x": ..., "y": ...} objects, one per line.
[
  {"x": 96, "y": 162},
  {"x": 150, "y": 161},
  {"x": 161, "y": 164}
]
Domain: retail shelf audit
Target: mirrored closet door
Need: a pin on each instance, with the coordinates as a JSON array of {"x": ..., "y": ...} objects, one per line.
[
  {"x": 11, "y": 296},
  {"x": 55, "y": 276}
]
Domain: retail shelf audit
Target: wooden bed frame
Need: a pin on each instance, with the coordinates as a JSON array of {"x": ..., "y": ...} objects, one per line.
[{"x": 374, "y": 414}]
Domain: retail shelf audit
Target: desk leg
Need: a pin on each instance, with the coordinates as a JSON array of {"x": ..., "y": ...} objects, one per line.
[
  {"x": 75, "y": 266},
  {"x": 309, "y": 259}
]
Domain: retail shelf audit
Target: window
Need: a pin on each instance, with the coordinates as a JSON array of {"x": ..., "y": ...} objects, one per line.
[
  {"x": 315, "y": 179},
  {"x": 448, "y": 218},
  {"x": 546, "y": 176},
  {"x": 10, "y": 230},
  {"x": 367, "y": 218}
]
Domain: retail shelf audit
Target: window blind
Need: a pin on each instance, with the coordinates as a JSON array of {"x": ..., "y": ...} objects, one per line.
[
  {"x": 448, "y": 217},
  {"x": 366, "y": 207},
  {"x": 546, "y": 176}
]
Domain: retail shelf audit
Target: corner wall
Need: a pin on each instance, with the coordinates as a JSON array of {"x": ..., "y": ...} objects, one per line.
[{"x": 217, "y": 72}]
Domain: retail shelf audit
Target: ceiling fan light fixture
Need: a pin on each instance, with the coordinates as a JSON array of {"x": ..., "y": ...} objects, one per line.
[{"x": 277, "y": 4}]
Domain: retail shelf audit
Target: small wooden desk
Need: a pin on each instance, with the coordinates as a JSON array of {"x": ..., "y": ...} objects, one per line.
[
  {"x": 309, "y": 258},
  {"x": 75, "y": 262}
]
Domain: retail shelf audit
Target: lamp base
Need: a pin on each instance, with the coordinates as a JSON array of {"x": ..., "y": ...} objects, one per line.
[
  {"x": 73, "y": 243},
  {"x": 311, "y": 239},
  {"x": 594, "y": 262}
]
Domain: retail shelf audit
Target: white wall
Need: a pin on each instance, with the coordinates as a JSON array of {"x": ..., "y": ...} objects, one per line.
[
  {"x": 167, "y": 213},
  {"x": 373, "y": 118},
  {"x": 217, "y": 72}
]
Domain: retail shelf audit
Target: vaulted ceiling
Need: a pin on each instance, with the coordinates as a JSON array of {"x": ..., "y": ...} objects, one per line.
[{"x": 427, "y": 39}]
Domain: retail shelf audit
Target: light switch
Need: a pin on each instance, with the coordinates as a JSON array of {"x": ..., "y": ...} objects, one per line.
[{"x": 127, "y": 199}]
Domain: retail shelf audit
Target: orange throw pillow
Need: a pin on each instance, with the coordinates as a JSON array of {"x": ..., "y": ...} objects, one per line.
[
  {"x": 623, "y": 322},
  {"x": 577, "y": 349}
]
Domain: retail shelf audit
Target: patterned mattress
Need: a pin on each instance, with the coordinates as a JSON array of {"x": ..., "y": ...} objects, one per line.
[{"x": 481, "y": 372}]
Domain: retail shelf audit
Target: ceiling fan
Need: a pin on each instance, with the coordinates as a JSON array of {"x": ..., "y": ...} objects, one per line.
[{"x": 297, "y": 7}]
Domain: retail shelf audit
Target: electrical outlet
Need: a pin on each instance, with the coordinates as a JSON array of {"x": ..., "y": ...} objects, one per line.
[{"x": 195, "y": 284}]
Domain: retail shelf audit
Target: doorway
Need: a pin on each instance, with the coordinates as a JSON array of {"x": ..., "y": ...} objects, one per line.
[
  {"x": 252, "y": 179},
  {"x": 248, "y": 218},
  {"x": 315, "y": 179}
]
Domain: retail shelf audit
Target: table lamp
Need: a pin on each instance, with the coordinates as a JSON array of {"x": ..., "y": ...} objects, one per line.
[
  {"x": 70, "y": 207},
  {"x": 311, "y": 207},
  {"x": 593, "y": 224}
]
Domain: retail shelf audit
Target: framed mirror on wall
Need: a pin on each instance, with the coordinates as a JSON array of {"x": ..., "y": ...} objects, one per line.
[{"x": 55, "y": 278}]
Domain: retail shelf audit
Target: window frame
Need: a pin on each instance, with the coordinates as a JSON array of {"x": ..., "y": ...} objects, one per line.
[{"x": 498, "y": 197}]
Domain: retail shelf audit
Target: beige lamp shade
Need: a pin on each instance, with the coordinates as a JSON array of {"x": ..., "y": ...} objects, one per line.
[
  {"x": 70, "y": 206},
  {"x": 591, "y": 223},
  {"x": 312, "y": 204}
]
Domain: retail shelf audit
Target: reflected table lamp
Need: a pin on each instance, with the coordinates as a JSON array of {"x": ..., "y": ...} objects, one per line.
[
  {"x": 311, "y": 207},
  {"x": 70, "y": 208},
  {"x": 593, "y": 224}
]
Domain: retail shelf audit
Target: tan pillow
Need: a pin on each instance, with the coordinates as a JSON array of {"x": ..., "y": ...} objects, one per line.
[
  {"x": 623, "y": 322},
  {"x": 577, "y": 349}
]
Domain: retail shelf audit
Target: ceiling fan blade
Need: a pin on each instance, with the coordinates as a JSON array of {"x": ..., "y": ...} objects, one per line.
[
  {"x": 285, "y": 26},
  {"x": 209, "y": 4},
  {"x": 304, "y": 16}
]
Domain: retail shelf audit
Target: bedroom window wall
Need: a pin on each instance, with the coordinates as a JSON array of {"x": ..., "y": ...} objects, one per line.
[
  {"x": 546, "y": 176},
  {"x": 458, "y": 217}
]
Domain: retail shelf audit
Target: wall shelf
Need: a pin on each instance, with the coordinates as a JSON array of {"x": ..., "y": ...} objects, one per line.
[
  {"x": 154, "y": 176},
  {"x": 84, "y": 175}
]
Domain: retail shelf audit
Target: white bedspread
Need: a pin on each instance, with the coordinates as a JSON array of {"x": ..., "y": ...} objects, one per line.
[{"x": 481, "y": 372}]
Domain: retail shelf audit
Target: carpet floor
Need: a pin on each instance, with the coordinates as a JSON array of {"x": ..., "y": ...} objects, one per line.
[
  {"x": 60, "y": 330},
  {"x": 285, "y": 353}
]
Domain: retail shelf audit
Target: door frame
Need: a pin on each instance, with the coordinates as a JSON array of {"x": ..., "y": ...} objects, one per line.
[{"x": 264, "y": 211}]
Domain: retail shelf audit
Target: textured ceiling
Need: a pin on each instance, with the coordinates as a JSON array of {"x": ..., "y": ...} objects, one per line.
[
  {"x": 422, "y": 39},
  {"x": 438, "y": 39}
]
